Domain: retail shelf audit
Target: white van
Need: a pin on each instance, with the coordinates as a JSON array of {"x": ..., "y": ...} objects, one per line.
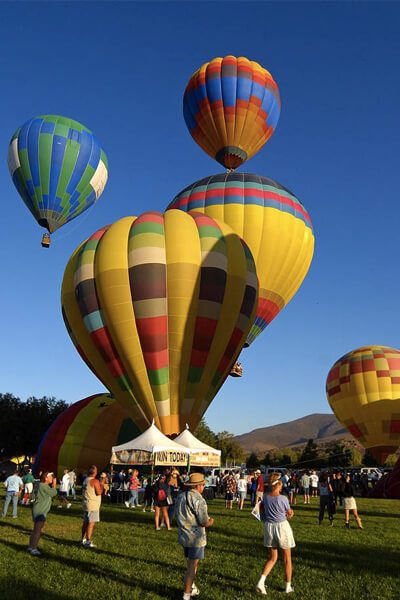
[{"x": 374, "y": 474}]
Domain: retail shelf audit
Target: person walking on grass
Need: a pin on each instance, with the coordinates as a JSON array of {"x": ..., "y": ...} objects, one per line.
[
  {"x": 349, "y": 503},
  {"x": 305, "y": 484},
  {"x": 275, "y": 512},
  {"x": 134, "y": 485},
  {"x": 260, "y": 485},
  {"x": 28, "y": 480},
  {"x": 161, "y": 490},
  {"x": 63, "y": 491},
  {"x": 14, "y": 486},
  {"x": 45, "y": 493},
  {"x": 326, "y": 499},
  {"x": 92, "y": 491},
  {"x": 230, "y": 490},
  {"x": 192, "y": 518},
  {"x": 242, "y": 490}
]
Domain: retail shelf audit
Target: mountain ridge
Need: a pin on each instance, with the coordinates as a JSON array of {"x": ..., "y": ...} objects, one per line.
[{"x": 321, "y": 427}]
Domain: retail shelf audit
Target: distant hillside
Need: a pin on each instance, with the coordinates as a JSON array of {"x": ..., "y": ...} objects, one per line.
[{"x": 320, "y": 427}]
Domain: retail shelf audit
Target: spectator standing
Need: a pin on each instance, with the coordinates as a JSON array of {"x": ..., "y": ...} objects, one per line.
[
  {"x": 314, "y": 479},
  {"x": 230, "y": 490},
  {"x": 148, "y": 496},
  {"x": 253, "y": 489},
  {"x": 305, "y": 484},
  {"x": 325, "y": 499},
  {"x": 46, "y": 491},
  {"x": 105, "y": 481},
  {"x": 134, "y": 485},
  {"x": 260, "y": 485},
  {"x": 277, "y": 531},
  {"x": 191, "y": 515},
  {"x": 14, "y": 486},
  {"x": 92, "y": 491},
  {"x": 242, "y": 490},
  {"x": 349, "y": 502},
  {"x": 72, "y": 483},
  {"x": 63, "y": 491},
  {"x": 160, "y": 494},
  {"x": 28, "y": 481}
]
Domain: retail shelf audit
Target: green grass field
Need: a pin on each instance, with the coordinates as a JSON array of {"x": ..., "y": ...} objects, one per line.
[{"x": 133, "y": 561}]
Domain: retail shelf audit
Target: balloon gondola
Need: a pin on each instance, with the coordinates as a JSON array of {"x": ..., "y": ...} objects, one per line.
[{"x": 237, "y": 370}]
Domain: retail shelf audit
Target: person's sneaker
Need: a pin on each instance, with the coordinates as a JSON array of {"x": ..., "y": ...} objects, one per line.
[
  {"x": 260, "y": 589},
  {"x": 152, "y": 510},
  {"x": 289, "y": 590},
  {"x": 127, "y": 504},
  {"x": 158, "y": 528},
  {"x": 15, "y": 517},
  {"x": 195, "y": 590},
  {"x": 144, "y": 510},
  {"x": 347, "y": 525},
  {"x": 29, "y": 549},
  {"x": 83, "y": 541},
  {"x": 69, "y": 505},
  {"x": 89, "y": 544},
  {"x": 35, "y": 552},
  {"x": 138, "y": 505},
  {"x": 162, "y": 525},
  {"x": 59, "y": 506}
]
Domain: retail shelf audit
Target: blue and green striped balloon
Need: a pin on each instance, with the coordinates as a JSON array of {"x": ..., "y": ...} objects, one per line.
[{"x": 58, "y": 167}]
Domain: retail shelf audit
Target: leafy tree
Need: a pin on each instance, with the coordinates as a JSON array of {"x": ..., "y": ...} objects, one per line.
[
  {"x": 391, "y": 460},
  {"x": 356, "y": 457},
  {"x": 309, "y": 454},
  {"x": 339, "y": 456},
  {"x": 204, "y": 434},
  {"x": 230, "y": 450},
  {"x": 252, "y": 461},
  {"x": 369, "y": 460}
]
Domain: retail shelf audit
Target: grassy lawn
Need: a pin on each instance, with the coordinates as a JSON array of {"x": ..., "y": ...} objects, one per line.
[{"x": 133, "y": 561}]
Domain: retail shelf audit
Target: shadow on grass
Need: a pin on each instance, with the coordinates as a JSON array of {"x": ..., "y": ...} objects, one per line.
[
  {"x": 348, "y": 559},
  {"x": 20, "y": 589},
  {"x": 101, "y": 571}
]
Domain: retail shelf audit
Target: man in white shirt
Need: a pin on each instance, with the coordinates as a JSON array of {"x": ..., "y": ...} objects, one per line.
[
  {"x": 63, "y": 491},
  {"x": 314, "y": 484},
  {"x": 242, "y": 490},
  {"x": 14, "y": 485}
]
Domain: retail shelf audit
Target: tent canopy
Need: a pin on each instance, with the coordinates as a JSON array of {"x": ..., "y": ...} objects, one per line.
[
  {"x": 194, "y": 446},
  {"x": 150, "y": 447}
]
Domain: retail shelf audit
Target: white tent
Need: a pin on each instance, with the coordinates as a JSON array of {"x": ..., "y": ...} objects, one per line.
[
  {"x": 201, "y": 455},
  {"x": 150, "y": 447}
]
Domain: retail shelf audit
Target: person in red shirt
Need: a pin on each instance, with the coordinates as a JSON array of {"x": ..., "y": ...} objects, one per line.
[
  {"x": 260, "y": 485},
  {"x": 134, "y": 485}
]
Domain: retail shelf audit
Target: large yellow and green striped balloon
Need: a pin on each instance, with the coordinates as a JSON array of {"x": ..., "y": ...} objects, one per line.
[
  {"x": 58, "y": 167},
  {"x": 159, "y": 307}
]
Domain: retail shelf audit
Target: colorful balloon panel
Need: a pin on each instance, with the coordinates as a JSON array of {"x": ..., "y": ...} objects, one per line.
[
  {"x": 58, "y": 167},
  {"x": 363, "y": 390},
  {"x": 274, "y": 224},
  {"x": 160, "y": 307},
  {"x": 84, "y": 434},
  {"x": 231, "y": 107}
]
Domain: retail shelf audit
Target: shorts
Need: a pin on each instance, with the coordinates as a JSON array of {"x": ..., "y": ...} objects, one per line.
[
  {"x": 62, "y": 494},
  {"x": 194, "y": 553},
  {"x": 229, "y": 496},
  {"x": 306, "y": 491},
  {"x": 260, "y": 495},
  {"x": 278, "y": 535},
  {"x": 349, "y": 504},
  {"x": 39, "y": 518},
  {"x": 242, "y": 495},
  {"x": 91, "y": 516}
]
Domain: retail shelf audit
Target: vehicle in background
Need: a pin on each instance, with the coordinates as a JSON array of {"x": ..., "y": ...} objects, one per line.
[{"x": 374, "y": 473}]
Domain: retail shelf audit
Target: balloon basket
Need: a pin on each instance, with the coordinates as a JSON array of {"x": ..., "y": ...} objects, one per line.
[
  {"x": 46, "y": 240},
  {"x": 237, "y": 370}
]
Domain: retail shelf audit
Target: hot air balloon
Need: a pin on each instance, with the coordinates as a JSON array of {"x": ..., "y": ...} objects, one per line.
[
  {"x": 363, "y": 390},
  {"x": 273, "y": 223},
  {"x": 231, "y": 107},
  {"x": 159, "y": 306},
  {"x": 84, "y": 434},
  {"x": 59, "y": 169}
]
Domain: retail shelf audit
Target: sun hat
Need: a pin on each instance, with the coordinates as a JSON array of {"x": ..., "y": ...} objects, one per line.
[
  {"x": 258, "y": 471},
  {"x": 195, "y": 479}
]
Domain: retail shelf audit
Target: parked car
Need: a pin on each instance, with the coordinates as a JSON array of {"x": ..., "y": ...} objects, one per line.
[{"x": 374, "y": 473}]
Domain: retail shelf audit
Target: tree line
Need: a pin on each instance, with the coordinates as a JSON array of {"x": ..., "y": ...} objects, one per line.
[{"x": 23, "y": 423}]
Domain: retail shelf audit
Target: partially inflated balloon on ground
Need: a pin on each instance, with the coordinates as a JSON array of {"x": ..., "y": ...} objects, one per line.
[
  {"x": 231, "y": 107},
  {"x": 363, "y": 389},
  {"x": 58, "y": 167},
  {"x": 84, "y": 434},
  {"x": 159, "y": 307},
  {"x": 389, "y": 485},
  {"x": 273, "y": 223}
]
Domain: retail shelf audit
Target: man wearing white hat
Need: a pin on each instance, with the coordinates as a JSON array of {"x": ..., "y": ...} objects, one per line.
[{"x": 191, "y": 515}]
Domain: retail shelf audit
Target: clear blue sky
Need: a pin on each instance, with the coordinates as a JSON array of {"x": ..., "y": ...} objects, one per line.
[{"x": 121, "y": 69}]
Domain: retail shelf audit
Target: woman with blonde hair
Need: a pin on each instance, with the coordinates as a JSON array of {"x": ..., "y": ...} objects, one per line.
[{"x": 275, "y": 512}]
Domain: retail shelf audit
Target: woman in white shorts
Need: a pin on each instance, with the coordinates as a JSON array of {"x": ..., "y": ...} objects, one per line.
[
  {"x": 349, "y": 503},
  {"x": 275, "y": 512}
]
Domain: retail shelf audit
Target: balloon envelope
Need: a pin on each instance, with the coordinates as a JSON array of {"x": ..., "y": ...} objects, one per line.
[
  {"x": 231, "y": 107},
  {"x": 159, "y": 306},
  {"x": 58, "y": 167},
  {"x": 363, "y": 390},
  {"x": 273, "y": 223},
  {"x": 84, "y": 434}
]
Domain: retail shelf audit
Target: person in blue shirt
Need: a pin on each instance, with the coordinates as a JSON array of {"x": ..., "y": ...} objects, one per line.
[
  {"x": 275, "y": 512},
  {"x": 14, "y": 486}
]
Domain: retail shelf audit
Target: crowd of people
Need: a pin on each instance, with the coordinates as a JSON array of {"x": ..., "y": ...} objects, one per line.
[{"x": 177, "y": 497}]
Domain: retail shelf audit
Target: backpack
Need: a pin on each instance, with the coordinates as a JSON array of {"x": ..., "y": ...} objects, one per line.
[{"x": 161, "y": 495}]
